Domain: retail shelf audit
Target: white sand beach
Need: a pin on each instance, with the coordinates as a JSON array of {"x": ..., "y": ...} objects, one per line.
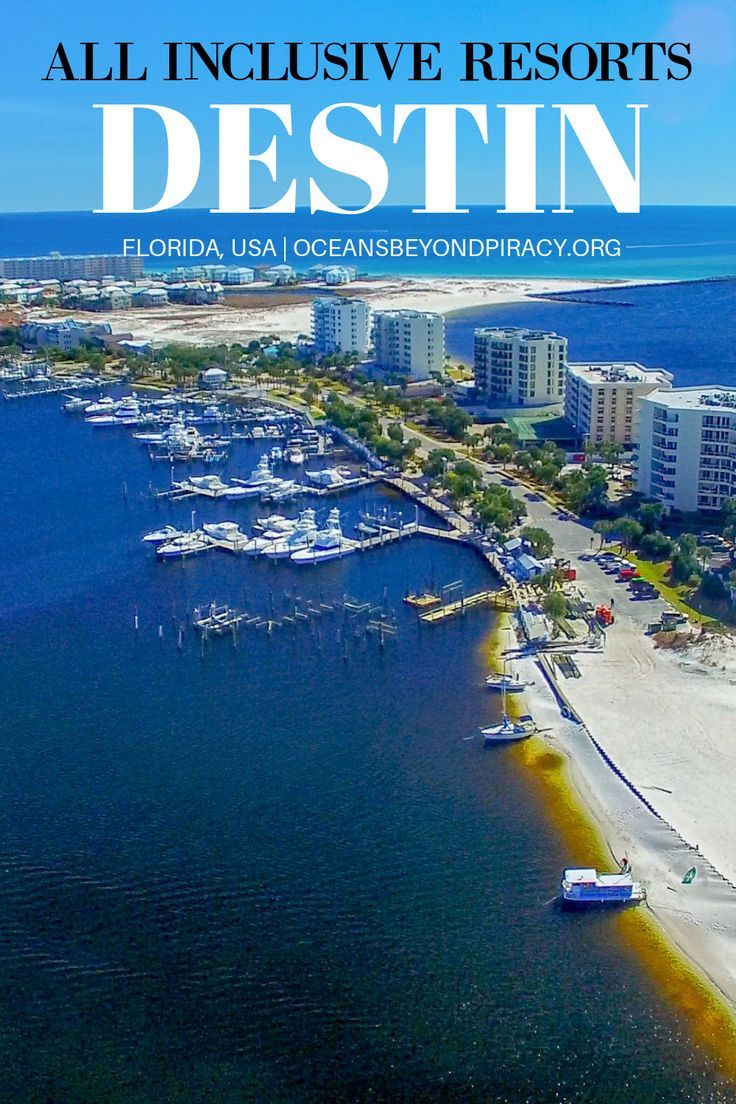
[
  {"x": 666, "y": 720},
  {"x": 242, "y": 323}
]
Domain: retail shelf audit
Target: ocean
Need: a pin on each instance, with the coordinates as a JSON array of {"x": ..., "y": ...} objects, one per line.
[
  {"x": 277, "y": 872},
  {"x": 687, "y": 328},
  {"x": 659, "y": 243}
]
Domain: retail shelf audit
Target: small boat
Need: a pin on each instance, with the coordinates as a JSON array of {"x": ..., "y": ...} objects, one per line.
[
  {"x": 509, "y": 731},
  {"x": 294, "y": 455},
  {"x": 160, "y": 536},
  {"x": 510, "y": 683},
  {"x": 583, "y": 887},
  {"x": 186, "y": 545}
]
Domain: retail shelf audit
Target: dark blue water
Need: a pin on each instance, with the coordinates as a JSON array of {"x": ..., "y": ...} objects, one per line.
[
  {"x": 659, "y": 243},
  {"x": 688, "y": 329},
  {"x": 276, "y": 872}
]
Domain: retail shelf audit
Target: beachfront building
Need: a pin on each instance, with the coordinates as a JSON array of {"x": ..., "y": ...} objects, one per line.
[
  {"x": 410, "y": 342},
  {"x": 65, "y": 334},
  {"x": 280, "y": 274},
  {"x": 686, "y": 454},
  {"x": 519, "y": 367},
  {"x": 340, "y": 325},
  {"x": 58, "y": 267},
  {"x": 212, "y": 378},
  {"x": 601, "y": 400}
]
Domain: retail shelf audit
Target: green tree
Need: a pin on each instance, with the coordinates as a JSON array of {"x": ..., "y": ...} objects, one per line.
[
  {"x": 540, "y": 540},
  {"x": 554, "y": 605}
]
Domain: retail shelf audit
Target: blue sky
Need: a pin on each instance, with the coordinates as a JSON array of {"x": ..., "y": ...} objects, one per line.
[{"x": 51, "y": 135}]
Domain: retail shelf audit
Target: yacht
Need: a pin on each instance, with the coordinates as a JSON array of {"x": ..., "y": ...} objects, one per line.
[
  {"x": 583, "y": 887},
  {"x": 328, "y": 544},
  {"x": 301, "y": 537},
  {"x": 276, "y": 524},
  {"x": 160, "y": 536},
  {"x": 260, "y": 479},
  {"x": 294, "y": 455},
  {"x": 186, "y": 545},
  {"x": 325, "y": 477},
  {"x": 103, "y": 406},
  {"x": 222, "y": 530},
  {"x": 73, "y": 404},
  {"x": 258, "y": 433},
  {"x": 125, "y": 412}
]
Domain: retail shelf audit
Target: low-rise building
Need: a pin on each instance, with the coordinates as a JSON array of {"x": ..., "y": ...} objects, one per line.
[
  {"x": 410, "y": 342},
  {"x": 519, "y": 367},
  {"x": 686, "y": 453},
  {"x": 65, "y": 334},
  {"x": 601, "y": 399}
]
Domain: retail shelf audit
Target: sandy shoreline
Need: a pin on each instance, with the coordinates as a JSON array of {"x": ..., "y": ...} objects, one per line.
[
  {"x": 215, "y": 325},
  {"x": 664, "y": 720}
]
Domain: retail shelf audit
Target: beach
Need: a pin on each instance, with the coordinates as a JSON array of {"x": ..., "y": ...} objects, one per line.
[
  {"x": 664, "y": 718},
  {"x": 289, "y": 314}
]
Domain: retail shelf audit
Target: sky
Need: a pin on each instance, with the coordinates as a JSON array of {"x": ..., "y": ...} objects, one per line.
[{"x": 52, "y": 135}]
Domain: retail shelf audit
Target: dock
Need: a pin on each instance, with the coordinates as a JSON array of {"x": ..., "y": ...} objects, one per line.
[{"x": 499, "y": 599}]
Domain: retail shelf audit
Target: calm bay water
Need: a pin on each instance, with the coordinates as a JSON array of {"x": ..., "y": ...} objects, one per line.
[
  {"x": 278, "y": 872},
  {"x": 687, "y": 328},
  {"x": 659, "y": 243}
]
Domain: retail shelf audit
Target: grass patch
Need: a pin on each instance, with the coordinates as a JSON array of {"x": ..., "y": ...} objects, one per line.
[{"x": 677, "y": 596}]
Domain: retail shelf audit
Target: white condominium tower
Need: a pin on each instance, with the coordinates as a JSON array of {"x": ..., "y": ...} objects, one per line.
[
  {"x": 518, "y": 367},
  {"x": 340, "y": 325},
  {"x": 409, "y": 341},
  {"x": 687, "y": 447},
  {"x": 601, "y": 400}
]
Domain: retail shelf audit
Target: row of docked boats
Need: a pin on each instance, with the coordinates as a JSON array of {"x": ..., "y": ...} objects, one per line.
[{"x": 300, "y": 540}]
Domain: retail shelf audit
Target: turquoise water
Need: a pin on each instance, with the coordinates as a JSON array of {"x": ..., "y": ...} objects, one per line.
[
  {"x": 659, "y": 243},
  {"x": 277, "y": 872}
]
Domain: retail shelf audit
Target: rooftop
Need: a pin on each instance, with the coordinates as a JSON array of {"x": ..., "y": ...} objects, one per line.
[
  {"x": 517, "y": 333},
  {"x": 619, "y": 371},
  {"x": 707, "y": 399}
]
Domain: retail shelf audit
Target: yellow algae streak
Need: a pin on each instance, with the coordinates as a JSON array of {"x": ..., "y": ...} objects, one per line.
[{"x": 710, "y": 1018}]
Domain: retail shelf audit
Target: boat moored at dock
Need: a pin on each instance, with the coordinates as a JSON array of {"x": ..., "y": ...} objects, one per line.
[{"x": 328, "y": 544}]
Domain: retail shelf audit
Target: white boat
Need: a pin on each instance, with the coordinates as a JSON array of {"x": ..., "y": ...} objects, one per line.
[
  {"x": 301, "y": 537},
  {"x": 328, "y": 544},
  {"x": 186, "y": 545},
  {"x": 260, "y": 479},
  {"x": 258, "y": 433},
  {"x": 512, "y": 684},
  {"x": 325, "y": 477},
  {"x": 74, "y": 403},
  {"x": 277, "y": 454},
  {"x": 294, "y": 455},
  {"x": 275, "y": 526},
  {"x": 161, "y": 536},
  {"x": 507, "y": 731},
  {"x": 583, "y": 887},
  {"x": 102, "y": 406},
  {"x": 206, "y": 483},
  {"x": 222, "y": 530}
]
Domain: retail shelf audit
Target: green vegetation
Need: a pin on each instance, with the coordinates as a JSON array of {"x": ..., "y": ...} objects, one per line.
[{"x": 540, "y": 540}]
